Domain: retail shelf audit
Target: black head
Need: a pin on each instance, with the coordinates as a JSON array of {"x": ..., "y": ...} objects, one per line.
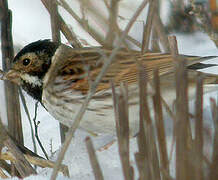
[
  {"x": 32, "y": 63},
  {"x": 46, "y": 46}
]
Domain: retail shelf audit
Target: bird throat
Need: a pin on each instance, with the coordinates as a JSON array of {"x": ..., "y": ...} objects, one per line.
[
  {"x": 33, "y": 86},
  {"x": 35, "y": 91}
]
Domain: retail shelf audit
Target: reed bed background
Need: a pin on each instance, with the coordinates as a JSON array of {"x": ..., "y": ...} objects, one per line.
[{"x": 153, "y": 157}]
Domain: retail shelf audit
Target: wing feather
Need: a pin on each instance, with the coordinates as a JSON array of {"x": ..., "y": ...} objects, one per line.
[{"x": 77, "y": 66}]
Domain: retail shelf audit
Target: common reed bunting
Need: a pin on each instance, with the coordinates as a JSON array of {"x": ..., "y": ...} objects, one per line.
[{"x": 61, "y": 85}]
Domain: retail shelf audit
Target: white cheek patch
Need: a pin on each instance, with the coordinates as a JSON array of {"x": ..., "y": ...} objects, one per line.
[{"x": 34, "y": 80}]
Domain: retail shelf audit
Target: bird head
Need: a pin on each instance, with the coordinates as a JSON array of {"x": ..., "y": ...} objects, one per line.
[{"x": 30, "y": 66}]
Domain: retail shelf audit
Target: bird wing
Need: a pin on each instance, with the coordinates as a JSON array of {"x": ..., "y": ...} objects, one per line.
[{"x": 76, "y": 68}]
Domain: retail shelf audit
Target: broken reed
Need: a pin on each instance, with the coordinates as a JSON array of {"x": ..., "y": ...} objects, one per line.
[
  {"x": 11, "y": 90},
  {"x": 152, "y": 159},
  {"x": 21, "y": 158}
]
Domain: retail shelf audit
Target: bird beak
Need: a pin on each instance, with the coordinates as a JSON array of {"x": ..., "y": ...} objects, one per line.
[{"x": 13, "y": 76}]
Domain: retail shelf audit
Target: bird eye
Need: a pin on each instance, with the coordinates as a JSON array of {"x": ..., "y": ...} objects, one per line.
[{"x": 26, "y": 61}]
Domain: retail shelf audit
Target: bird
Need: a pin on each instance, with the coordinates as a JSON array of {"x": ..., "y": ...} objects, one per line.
[{"x": 59, "y": 77}]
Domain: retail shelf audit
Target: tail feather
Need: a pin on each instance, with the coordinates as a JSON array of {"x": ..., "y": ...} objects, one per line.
[
  {"x": 196, "y": 59},
  {"x": 199, "y": 66}
]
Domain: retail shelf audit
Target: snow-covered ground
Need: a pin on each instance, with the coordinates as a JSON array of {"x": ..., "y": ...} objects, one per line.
[{"x": 31, "y": 22}]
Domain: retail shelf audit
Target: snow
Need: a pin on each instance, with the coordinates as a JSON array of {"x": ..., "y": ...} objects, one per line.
[
  {"x": 40, "y": 177},
  {"x": 31, "y": 22}
]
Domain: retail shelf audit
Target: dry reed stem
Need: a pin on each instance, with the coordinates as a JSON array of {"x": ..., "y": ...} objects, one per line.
[
  {"x": 35, "y": 161},
  {"x": 55, "y": 27},
  {"x": 21, "y": 164},
  {"x": 159, "y": 28},
  {"x": 11, "y": 92},
  {"x": 55, "y": 23},
  {"x": 148, "y": 27},
  {"x": 23, "y": 100},
  {"x": 92, "y": 9},
  {"x": 166, "y": 175},
  {"x": 155, "y": 46},
  {"x": 213, "y": 171},
  {"x": 148, "y": 127},
  {"x": 154, "y": 21},
  {"x": 143, "y": 146},
  {"x": 119, "y": 31},
  {"x": 12, "y": 97},
  {"x": 155, "y": 42},
  {"x": 91, "y": 92},
  {"x": 142, "y": 166},
  {"x": 36, "y": 131},
  {"x": 93, "y": 159},
  {"x": 158, "y": 114},
  {"x": 122, "y": 127},
  {"x": 70, "y": 36},
  {"x": 182, "y": 122},
  {"x": 113, "y": 11},
  {"x": 92, "y": 32},
  {"x": 198, "y": 143}
]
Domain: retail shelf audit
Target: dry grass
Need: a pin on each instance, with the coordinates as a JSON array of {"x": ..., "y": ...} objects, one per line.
[{"x": 152, "y": 158}]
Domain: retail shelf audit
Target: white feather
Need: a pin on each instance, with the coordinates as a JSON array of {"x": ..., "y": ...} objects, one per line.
[{"x": 34, "y": 80}]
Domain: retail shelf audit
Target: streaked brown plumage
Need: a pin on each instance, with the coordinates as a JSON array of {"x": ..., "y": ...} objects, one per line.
[{"x": 61, "y": 83}]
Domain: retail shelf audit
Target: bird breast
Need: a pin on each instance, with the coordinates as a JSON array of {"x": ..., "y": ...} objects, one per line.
[{"x": 99, "y": 117}]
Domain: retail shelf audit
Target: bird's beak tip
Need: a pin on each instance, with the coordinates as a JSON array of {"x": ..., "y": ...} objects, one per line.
[{"x": 12, "y": 75}]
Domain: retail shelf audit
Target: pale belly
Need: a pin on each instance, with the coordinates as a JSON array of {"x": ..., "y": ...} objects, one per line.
[{"x": 99, "y": 117}]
